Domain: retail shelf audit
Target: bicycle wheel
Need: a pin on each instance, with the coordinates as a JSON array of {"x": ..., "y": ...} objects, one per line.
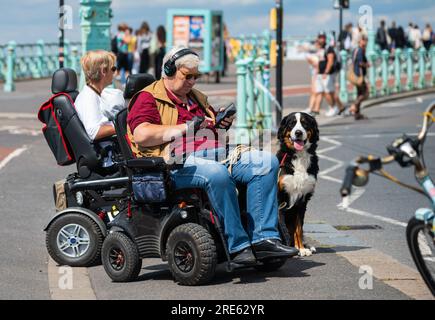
[{"x": 421, "y": 244}]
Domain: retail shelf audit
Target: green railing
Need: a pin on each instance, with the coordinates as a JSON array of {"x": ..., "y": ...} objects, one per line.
[
  {"x": 34, "y": 61},
  {"x": 253, "y": 86},
  {"x": 252, "y": 46},
  {"x": 404, "y": 70}
]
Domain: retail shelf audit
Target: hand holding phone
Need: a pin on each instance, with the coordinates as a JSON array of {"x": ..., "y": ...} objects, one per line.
[{"x": 221, "y": 116}]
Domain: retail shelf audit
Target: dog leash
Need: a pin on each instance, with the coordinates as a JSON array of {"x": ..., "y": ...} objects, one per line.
[{"x": 284, "y": 204}]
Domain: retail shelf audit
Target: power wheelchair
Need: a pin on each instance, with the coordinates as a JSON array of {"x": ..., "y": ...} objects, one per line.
[{"x": 102, "y": 221}]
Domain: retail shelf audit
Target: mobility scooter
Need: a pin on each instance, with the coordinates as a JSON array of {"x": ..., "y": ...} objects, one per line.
[{"x": 103, "y": 218}]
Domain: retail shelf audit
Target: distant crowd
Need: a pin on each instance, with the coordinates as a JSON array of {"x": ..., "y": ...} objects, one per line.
[
  {"x": 390, "y": 38},
  {"x": 141, "y": 51}
]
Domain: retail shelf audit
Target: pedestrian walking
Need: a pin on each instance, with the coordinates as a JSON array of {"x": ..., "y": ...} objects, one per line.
[
  {"x": 401, "y": 38},
  {"x": 160, "y": 52},
  {"x": 381, "y": 37},
  {"x": 417, "y": 37},
  {"x": 122, "y": 55},
  {"x": 312, "y": 57},
  {"x": 130, "y": 39},
  {"x": 393, "y": 34},
  {"x": 360, "y": 65},
  {"x": 325, "y": 79},
  {"x": 427, "y": 36},
  {"x": 143, "y": 46}
]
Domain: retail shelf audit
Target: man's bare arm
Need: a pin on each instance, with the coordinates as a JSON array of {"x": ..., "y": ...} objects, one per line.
[{"x": 149, "y": 135}]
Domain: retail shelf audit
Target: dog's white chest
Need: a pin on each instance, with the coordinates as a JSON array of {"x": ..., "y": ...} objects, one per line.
[{"x": 300, "y": 182}]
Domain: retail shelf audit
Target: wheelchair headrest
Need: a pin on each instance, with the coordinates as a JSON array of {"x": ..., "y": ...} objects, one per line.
[
  {"x": 64, "y": 80},
  {"x": 137, "y": 82}
]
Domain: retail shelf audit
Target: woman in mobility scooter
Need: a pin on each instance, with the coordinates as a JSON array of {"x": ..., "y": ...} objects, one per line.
[{"x": 85, "y": 199}]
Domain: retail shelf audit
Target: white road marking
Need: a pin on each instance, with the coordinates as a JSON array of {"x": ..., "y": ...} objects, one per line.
[
  {"x": 358, "y": 192},
  {"x": 372, "y": 136},
  {"x": 18, "y": 115},
  {"x": 12, "y": 155},
  {"x": 373, "y": 216},
  {"x": 20, "y": 130}
]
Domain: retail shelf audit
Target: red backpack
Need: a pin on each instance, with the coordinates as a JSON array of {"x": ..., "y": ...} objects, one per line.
[{"x": 53, "y": 133}]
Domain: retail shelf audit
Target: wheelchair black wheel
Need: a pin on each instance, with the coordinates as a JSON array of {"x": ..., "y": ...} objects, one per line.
[
  {"x": 120, "y": 258},
  {"x": 270, "y": 265},
  {"x": 191, "y": 253},
  {"x": 75, "y": 240},
  {"x": 420, "y": 239}
]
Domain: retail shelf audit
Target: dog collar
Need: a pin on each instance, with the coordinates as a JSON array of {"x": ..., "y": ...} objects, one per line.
[{"x": 283, "y": 160}]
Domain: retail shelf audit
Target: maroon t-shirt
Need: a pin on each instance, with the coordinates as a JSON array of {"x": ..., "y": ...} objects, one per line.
[{"x": 145, "y": 110}]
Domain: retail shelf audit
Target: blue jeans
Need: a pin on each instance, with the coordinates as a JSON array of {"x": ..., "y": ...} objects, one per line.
[{"x": 258, "y": 170}]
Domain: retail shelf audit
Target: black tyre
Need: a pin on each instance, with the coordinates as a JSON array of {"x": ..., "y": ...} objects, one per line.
[
  {"x": 270, "y": 265},
  {"x": 191, "y": 253},
  {"x": 421, "y": 244},
  {"x": 74, "y": 240},
  {"x": 120, "y": 258}
]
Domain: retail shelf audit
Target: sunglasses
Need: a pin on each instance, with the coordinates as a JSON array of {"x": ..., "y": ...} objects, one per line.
[{"x": 190, "y": 76}]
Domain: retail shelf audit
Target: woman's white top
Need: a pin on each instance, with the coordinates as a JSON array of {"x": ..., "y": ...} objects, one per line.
[{"x": 95, "y": 111}]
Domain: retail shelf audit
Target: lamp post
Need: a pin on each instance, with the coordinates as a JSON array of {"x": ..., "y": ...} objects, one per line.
[
  {"x": 338, "y": 6},
  {"x": 61, "y": 33},
  {"x": 279, "y": 60}
]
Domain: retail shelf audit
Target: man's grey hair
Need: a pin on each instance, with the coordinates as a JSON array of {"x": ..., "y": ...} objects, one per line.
[{"x": 189, "y": 61}]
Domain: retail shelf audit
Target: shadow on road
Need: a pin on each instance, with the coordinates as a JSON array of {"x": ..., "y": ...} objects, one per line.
[{"x": 294, "y": 268}]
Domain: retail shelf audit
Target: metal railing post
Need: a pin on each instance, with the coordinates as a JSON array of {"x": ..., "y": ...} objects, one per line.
[
  {"x": 344, "y": 95},
  {"x": 397, "y": 70},
  {"x": 266, "y": 103},
  {"x": 259, "y": 114},
  {"x": 250, "y": 104},
  {"x": 242, "y": 135},
  {"x": 385, "y": 88},
  {"x": 10, "y": 64},
  {"x": 410, "y": 69},
  {"x": 371, "y": 57},
  {"x": 422, "y": 68}
]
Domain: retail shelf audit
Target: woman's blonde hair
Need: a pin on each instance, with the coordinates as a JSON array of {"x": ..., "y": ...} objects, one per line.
[{"x": 93, "y": 62}]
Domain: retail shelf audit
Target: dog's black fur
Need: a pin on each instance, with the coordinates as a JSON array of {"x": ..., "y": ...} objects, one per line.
[{"x": 287, "y": 156}]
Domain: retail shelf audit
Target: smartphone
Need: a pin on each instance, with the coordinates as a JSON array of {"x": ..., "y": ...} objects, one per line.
[{"x": 228, "y": 112}]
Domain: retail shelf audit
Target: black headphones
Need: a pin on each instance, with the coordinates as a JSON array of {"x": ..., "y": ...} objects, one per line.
[{"x": 169, "y": 67}]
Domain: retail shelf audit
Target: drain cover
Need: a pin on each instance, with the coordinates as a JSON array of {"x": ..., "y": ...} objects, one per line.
[{"x": 359, "y": 227}]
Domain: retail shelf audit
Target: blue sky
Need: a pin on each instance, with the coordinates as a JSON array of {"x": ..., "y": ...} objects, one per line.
[{"x": 26, "y": 21}]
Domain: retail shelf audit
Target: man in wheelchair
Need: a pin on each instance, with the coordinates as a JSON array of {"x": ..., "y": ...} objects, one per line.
[
  {"x": 149, "y": 208},
  {"x": 171, "y": 107}
]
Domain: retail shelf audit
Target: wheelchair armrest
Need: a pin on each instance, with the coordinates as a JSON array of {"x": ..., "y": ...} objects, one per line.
[
  {"x": 108, "y": 138},
  {"x": 146, "y": 163}
]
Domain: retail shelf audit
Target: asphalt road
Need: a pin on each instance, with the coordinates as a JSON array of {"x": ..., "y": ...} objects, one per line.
[{"x": 26, "y": 197}]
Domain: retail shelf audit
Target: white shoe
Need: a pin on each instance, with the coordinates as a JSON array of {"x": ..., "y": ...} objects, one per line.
[
  {"x": 332, "y": 112},
  {"x": 307, "y": 110}
]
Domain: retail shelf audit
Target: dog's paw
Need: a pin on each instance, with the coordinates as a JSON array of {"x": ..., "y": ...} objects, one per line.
[
  {"x": 305, "y": 252},
  {"x": 313, "y": 250}
]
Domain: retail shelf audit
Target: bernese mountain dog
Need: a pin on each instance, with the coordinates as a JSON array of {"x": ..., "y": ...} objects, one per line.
[{"x": 298, "y": 135}]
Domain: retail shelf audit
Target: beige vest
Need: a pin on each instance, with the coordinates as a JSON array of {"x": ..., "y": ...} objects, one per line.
[{"x": 168, "y": 114}]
